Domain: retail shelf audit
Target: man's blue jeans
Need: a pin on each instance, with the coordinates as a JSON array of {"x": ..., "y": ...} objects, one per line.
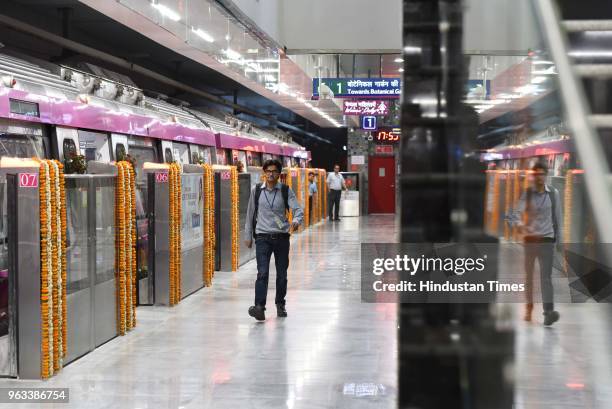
[{"x": 265, "y": 246}]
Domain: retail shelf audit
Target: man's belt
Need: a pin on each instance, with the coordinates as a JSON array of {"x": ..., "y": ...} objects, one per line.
[{"x": 272, "y": 236}]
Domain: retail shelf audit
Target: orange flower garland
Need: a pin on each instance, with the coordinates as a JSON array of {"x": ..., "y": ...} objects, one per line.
[
  {"x": 45, "y": 255},
  {"x": 306, "y": 199},
  {"x": 64, "y": 265},
  {"x": 134, "y": 242},
  {"x": 125, "y": 247},
  {"x": 174, "y": 180},
  {"x": 208, "y": 265},
  {"x": 52, "y": 267},
  {"x": 235, "y": 220}
]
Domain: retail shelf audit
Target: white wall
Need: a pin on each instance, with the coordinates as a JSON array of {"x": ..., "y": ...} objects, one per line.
[
  {"x": 491, "y": 26},
  {"x": 328, "y": 24},
  {"x": 265, "y": 13},
  {"x": 500, "y": 26},
  {"x": 342, "y": 24}
]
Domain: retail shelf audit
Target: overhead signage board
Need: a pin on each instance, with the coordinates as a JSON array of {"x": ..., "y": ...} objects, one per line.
[
  {"x": 366, "y": 107},
  {"x": 368, "y": 123},
  {"x": 356, "y": 87}
]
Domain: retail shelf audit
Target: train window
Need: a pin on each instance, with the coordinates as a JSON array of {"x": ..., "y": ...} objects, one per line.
[
  {"x": 255, "y": 159},
  {"x": 69, "y": 148},
  {"x": 168, "y": 155},
  {"x": 21, "y": 146},
  {"x": 120, "y": 152}
]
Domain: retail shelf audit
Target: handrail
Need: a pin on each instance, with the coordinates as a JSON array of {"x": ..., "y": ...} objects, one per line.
[{"x": 575, "y": 102}]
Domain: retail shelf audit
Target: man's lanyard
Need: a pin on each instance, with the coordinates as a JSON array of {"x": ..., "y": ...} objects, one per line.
[{"x": 273, "y": 199}]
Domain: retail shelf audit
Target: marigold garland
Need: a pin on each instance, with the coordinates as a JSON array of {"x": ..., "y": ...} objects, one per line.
[
  {"x": 235, "y": 219},
  {"x": 208, "y": 187},
  {"x": 52, "y": 266},
  {"x": 174, "y": 181},
  {"x": 306, "y": 194},
  {"x": 507, "y": 202},
  {"x": 125, "y": 247},
  {"x": 134, "y": 243},
  {"x": 298, "y": 190}
]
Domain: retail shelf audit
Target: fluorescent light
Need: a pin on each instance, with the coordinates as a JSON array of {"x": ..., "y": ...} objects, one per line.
[
  {"x": 413, "y": 50},
  {"x": 167, "y": 12},
  {"x": 203, "y": 34},
  {"x": 590, "y": 54},
  {"x": 399, "y": 60},
  {"x": 252, "y": 51},
  {"x": 254, "y": 67},
  {"x": 231, "y": 54},
  {"x": 542, "y": 62},
  {"x": 401, "y": 70},
  {"x": 598, "y": 33},
  {"x": 538, "y": 80}
]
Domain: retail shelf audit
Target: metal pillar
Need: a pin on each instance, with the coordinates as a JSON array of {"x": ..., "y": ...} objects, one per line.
[{"x": 450, "y": 355}]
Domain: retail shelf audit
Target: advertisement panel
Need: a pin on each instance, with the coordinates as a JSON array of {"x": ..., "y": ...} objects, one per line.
[{"x": 192, "y": 212}]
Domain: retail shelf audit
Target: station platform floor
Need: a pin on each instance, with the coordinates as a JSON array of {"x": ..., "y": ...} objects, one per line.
[{"x": 333, "y": 351}]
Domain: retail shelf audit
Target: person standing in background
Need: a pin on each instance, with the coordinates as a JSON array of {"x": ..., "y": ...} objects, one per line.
[
  {"x": 335, "y": 183},
  {"x": 312, "y": 192}
]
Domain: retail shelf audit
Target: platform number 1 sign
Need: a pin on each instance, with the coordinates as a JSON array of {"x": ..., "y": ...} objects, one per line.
[{"x": 368, "y": 123}]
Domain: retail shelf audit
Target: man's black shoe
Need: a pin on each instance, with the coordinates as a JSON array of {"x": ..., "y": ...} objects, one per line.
[
  {"x": 337, "y": 220},
  {"x": 281, "y": 311},
  {"x": 257, "y": 312},
  {"x": 550, "y": 317}
]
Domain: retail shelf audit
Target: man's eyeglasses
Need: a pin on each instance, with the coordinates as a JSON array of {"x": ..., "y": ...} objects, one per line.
[{"x": 272, "y": 172}]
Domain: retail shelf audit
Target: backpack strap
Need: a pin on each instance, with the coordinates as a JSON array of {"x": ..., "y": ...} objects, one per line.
[
  {"x": 285, "y": 193},
  {"x": 257, "y": 195},
  {"x": 553, "y": 200}
]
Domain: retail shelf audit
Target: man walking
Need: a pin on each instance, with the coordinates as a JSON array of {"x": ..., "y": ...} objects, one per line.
[
  {"x": 335, "y": 183},
  {"x": 312, "y": 192},
  {"x": 267, "y": 222},
  {"x": 542, "y": 208}
]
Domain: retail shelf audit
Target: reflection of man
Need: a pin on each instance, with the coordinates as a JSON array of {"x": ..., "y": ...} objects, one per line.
[
  {"x": 312, "y": 192},
  {"x": 542, "y": 208},
  {"x": 335, "y": 183},
  {"x": 267, "y": 221}
]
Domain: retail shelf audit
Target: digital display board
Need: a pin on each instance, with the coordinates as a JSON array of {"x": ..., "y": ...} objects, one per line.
[{"x": 387, "y": 135}]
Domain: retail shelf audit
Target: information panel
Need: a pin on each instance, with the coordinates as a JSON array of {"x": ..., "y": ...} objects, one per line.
[{"x": 356, "y": 87}]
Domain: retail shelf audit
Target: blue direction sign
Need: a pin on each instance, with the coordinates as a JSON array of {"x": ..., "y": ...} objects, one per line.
[
  {"x": 356, "y": 87},
  {"x": 368, "y": 123}
]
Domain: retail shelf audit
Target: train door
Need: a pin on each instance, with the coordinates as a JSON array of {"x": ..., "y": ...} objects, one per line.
[
  {"x": 222, "y": 156},
  {"x": 94, "y": 146},
  {"x": 142, "y": 150},
  {"x": 167, "y": 154},
  {"x": 67, "y": 142},
  {"x": 120, "y": 147},
  {"x": 180, "y": 152},
  {"x": 19, "y": 140}
]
